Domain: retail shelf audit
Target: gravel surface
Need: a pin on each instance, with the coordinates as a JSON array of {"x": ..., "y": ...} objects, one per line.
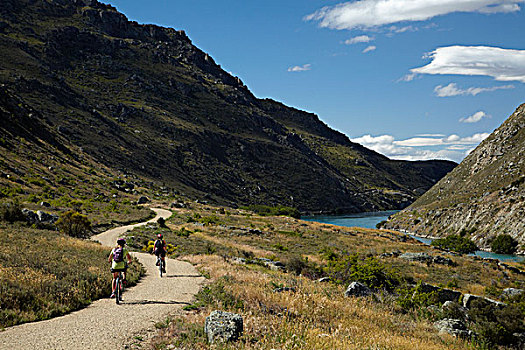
[{"x": 105, "y": 325}]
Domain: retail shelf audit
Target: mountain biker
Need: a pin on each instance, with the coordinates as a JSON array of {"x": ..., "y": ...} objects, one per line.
[
  {"x": 159, "y": 249},
  {"x": 116, "y": 257}
]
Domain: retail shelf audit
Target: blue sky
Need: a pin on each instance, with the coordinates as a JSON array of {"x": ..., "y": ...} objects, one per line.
[{"x": 412, "y": 79}]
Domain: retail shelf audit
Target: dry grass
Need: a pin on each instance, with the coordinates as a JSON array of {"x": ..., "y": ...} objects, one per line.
[
  {"x": 315, "y": 316},
  {"x": 45, "y": 274}
]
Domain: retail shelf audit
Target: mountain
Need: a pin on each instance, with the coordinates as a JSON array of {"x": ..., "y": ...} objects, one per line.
[
  {"x": 82, "y": 86},
  {"x": 483, "y": 196}
]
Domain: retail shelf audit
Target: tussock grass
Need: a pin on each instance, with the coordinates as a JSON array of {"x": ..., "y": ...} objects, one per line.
[
  {"x": 316, "y": 316},
  {"x": 44, "y": 274}
]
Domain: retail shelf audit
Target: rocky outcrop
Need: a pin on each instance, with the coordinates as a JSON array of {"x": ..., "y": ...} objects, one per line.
[
  {"x": 442, "y": 294},
  {"x": 482, "y": 197},
  {"x": 454, "y": 327},
  {"x": 40, "y": 217},
  {"x": 427, "y": 258},
  {"x": 468, "y": 299},
  {"x": 221, "y": 327}
]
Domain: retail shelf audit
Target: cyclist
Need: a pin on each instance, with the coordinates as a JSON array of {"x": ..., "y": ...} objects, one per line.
[
  {"x": 116, "y": 257},
  {"x": 160, "y": 250}
]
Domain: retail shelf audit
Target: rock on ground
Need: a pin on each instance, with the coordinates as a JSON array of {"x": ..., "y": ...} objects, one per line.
[
  {"x": 357, "y": 289},
  {"x": 223, "y": 326}
]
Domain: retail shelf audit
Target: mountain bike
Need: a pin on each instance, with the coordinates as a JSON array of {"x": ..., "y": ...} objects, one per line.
[
  {"x": 161, "y": 264},
  {"x": 119, "y": 287}
]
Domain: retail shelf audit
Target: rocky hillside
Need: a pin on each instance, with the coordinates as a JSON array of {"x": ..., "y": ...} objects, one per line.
[
  {"x": 484, "y": 196},
  {"x": 82, "y": 86}
]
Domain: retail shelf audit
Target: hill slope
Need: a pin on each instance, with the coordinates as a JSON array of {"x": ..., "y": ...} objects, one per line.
[
  {"x": 484, "y": 195},
  {"x": 78, "y": 78}
]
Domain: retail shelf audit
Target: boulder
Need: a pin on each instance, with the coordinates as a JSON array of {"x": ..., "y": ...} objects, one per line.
[
  {"x": 451, "y": 326},
  {"x": 419, "y": 257},
  {"x": 453, "y": 309},
  {"x": 324, "y": 279},
  {"x": 443, "y": 261},
  {"x": 357, "y": 289},
  {"x": 223, "y": 327},
  {"x": 30, "y": 215},
  {"x": 443, "y": 294},
  {"x": 512, "y": 292},
  {"x": 46, "y": 218},
  {"x": 143, "y": 200},
  {"x": 179, "y": 205},
  {"x": 469, "y": 298}
]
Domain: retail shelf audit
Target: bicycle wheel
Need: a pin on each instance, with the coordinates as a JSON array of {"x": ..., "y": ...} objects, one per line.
[
  {"x": 160, "y": 266},
  {"x": 117, "y": 290}
]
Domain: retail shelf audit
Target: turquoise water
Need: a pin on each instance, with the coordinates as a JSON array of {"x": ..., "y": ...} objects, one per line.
[
  {"x": 481, "y": 253},
  {"x": 371, "y": 219},
  {"x": 366, "y": 220}
]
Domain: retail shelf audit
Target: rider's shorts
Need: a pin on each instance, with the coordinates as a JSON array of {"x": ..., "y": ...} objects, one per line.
[{"x": 119, "y": 270}]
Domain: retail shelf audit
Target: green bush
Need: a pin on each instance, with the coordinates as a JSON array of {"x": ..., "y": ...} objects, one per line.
[
  {"x": 74, "y": 224},
  {"x": 413, "y": 298},
  {"x": 217, "y": 295},
  {"x": 11, "y": 212},
  {"x": 456, "y": 243},
  {"x": 504, "y": 244},
  {"x": 372, "y": 272}
]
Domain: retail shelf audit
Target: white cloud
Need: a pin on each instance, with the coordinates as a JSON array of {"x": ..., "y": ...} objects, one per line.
[
  {"x": 453, "y": 90},
  {"x": 408, "y": 77},
  {"x": 375, "y": 13},
  {"x": 302, "y": 68},
  {"x": 359, "y": 39},
  {"x": 501, "y": 64},
  {"x": 452, "y": 147},
  {"x": 369, "y": 48},
  {"x": 476, "y": 117}
]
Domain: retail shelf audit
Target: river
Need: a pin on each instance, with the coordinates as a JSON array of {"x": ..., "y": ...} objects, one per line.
[{"x": 371, "y": 219}]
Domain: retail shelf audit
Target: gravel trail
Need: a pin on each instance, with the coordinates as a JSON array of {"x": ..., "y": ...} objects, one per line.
[{"x": 105, "y": 325}]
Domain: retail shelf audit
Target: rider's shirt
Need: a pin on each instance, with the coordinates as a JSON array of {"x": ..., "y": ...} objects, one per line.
[{"x": 121, "y": 264}]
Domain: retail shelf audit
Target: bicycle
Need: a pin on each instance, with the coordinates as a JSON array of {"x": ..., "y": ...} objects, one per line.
[
  {"x": 161, "y": 265},
  {"x": 119, "y": 287}
]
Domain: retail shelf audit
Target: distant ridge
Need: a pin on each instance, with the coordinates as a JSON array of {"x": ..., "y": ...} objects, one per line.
[{"x": 83, "y": 83}]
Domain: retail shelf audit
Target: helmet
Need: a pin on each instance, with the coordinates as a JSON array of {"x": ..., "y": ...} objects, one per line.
[
  {"x": 159, "y": 235},
  {"x": 121, "y": 241}
]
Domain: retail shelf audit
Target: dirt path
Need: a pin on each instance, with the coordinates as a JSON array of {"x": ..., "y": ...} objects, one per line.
[{"x": 105, "y": 325}]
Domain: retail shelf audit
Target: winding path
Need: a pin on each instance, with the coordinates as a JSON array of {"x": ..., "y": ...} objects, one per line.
[{"x": 105, "y": 325}]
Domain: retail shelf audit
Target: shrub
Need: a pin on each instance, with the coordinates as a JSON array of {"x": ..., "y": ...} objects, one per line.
[
  {"x": 495, "y": 325},
  {"x": 380, "y": 224},
  {"x": 161, "y": 222},
  {"x": 370, "y": 271},
  {"x": 456, "y": 243},
  {"x": 74, "y": 224},
  {"x": 296, "y": 265},
  {"x": 411, "y": 298},
  {"x": 504, "y": 244},
  {"x": 11, "y": 212}
]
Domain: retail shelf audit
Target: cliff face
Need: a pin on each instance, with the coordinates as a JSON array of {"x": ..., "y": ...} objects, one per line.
[
  {"x": 144, "y": 100},
  {"x": 484, "y": 195}
]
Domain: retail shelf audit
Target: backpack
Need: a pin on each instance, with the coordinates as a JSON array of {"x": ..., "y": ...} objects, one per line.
[
  {"x": 118, "y": 254},
  {"x": 159, "y": 246}
]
